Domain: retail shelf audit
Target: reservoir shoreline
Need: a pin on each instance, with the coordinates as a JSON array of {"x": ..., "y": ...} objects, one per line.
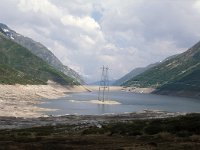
[
  {"x": 21, "y": 100},
  {"x": 83, "y": 120},
  {"x": 24, "y": 100}
]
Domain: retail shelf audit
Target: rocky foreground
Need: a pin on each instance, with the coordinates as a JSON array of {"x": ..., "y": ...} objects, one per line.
[
  {"x": 80, "y": 120},
  {"x": 128, "y": 131}
]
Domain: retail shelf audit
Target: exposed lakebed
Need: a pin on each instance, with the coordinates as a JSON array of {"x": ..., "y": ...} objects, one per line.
[{"x": 126, "y": 102}]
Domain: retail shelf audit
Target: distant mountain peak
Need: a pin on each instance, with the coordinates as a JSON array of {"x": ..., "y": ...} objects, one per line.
[{"x": 6, "y": 31}]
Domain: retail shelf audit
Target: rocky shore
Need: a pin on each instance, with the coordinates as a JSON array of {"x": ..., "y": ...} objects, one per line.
[
  {"x": 81, "y": 120},
  {"x": 21, "y": 100}
]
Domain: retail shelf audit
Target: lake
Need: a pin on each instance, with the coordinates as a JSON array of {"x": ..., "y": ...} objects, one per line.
[{"x": 80, "y": 104}]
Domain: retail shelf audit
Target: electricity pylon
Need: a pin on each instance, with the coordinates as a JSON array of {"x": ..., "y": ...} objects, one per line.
[{"x": 103, "y": 84}]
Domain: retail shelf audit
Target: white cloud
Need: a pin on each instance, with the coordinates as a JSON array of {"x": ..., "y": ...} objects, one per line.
[
  {"x": 86, "y": 34},
  {"x": 38, "y": 6},
  {"x": 86, "y": 23},
  {"x": 197, "y": 6}
]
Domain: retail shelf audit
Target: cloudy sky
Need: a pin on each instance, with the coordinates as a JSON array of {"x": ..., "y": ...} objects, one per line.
[{"x": 86, "y": 34}]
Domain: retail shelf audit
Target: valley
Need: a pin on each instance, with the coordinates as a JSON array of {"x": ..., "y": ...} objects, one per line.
[{"x": 46, "y": 101}]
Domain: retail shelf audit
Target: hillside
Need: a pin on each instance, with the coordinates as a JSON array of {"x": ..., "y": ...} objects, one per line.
[
  {"x": 39, "y": 50},
  {"x": 178, "y": 74},
  {"x": 138, "y": 71},
  {"x": 19, "y": 65},
  {"x": 132, "y": 74}
]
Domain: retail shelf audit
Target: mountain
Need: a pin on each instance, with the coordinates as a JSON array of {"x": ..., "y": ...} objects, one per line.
[
  {"x": 138, "y": 71},
  {"x": 19, "y": 66},
  {"x": 132, "y": 74},
  {"x": 178, "y": 75},
  {"x": 39, "y": 50}
]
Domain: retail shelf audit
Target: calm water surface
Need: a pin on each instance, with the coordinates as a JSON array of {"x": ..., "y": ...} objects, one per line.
[{"x": 130, "y": 102}]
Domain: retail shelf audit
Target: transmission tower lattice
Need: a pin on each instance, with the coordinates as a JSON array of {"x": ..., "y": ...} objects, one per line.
[{"x": 103, "y": 84}]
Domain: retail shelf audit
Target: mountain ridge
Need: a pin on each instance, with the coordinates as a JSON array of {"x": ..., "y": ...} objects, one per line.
[
  {"x": 132, "y": 74},
  {"x": 19, "y": 66},
  {"x": 176, "y": 76},
  {"x": 39, "y": 50},
  {"x": 138, "y": 71}
]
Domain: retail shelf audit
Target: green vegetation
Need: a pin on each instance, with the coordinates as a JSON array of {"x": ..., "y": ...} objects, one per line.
[
  {"x": 39, "y": 50},
  {"x": 180, "y": 73},
  {"x": 133, "y": 74},
  {"x": 19, "y": 65},
  {"x": 184, "y": 124},
  {"x": 181, "y": 132}
]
